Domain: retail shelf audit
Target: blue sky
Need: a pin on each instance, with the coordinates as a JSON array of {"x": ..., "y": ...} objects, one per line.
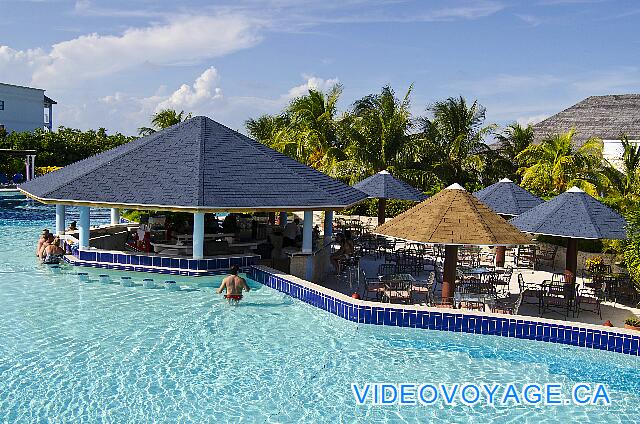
[{"x": 114, "y": 63}]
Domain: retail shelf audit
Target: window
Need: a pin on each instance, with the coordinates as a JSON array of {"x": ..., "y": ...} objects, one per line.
[{"x": 1, "y": 104}]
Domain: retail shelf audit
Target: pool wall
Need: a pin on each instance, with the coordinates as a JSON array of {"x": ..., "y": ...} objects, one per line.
[
  {"x": 159, "y": 264},
  {"x": 417, "y": 316}
]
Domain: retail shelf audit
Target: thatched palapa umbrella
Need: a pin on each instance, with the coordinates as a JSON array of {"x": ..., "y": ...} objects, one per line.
[
  {"x": 385, "y": 186},
  {"x": 507, "y": 199},
  {"x": 574, "y": 215},
  {"x": 453, "y": 218}
]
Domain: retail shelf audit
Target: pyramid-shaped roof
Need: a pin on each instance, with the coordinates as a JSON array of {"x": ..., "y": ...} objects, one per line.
[
  {"x": 453, "y": 216},
  {"x": 507, "y": 198},
  {"x": 383, "y": 185},
  {"x": 573, "y": 214},
  {"x": 195, "y": 165}
]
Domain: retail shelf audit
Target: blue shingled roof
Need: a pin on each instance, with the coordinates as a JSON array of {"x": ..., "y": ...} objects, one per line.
[
  {"x": 383, "y": 185},
  {"x": 573, "y": 214},
  {"x": 196, "y": 164},
  {"x": 507, "y": 198}
]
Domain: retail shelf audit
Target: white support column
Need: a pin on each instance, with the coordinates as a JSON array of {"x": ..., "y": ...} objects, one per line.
[
  {"x": 328, "y": 226},
  {"x": 283, "y": 219},
  {"x": 33, "y": 166},
  {"x": 60, "y": 221},
  {"x": 307, "y": 232},
  {"x": 115, "y": 216},
  {"x": 198, "y": 235},
  {"x": 83, "y": 227},
  {"x": 27, "y": 171}
]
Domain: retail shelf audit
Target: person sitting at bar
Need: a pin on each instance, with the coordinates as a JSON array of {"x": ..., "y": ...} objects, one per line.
[
  {"x": 44, "y": 236},
  {"x": 346, "y": 249},
  {"x": 73, "y": 226},
  {"x": 230, "y": 224},
  {"x": 234, "y": 285},
  {"x": 291, "y": 233},
  {"x": 52, "y": 253}
]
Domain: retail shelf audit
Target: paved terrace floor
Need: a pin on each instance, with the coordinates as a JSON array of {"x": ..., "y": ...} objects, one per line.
[{"x": 617, "y": 313}]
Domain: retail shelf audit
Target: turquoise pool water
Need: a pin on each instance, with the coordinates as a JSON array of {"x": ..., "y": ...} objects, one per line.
[{"x": 74, "y": 351}]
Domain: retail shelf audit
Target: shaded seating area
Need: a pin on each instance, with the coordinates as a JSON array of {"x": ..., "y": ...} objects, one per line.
[{"x": 199, "y": 168}]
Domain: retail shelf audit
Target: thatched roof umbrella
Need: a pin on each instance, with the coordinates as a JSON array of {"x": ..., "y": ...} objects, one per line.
[
  {"x": 453, "y": 217},
  {"x": 385, "y": 186},
  {"x": 574, "y": 215},
  {"x": 507, "y": 199}
]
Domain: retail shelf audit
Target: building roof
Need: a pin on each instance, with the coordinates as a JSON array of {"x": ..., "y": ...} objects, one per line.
[
  {"x": 507, "y": 198},
  {"x": 605, "y": 117},
  {"x": 49, "y": 100},
  {"x": 573, "y": 214},
  {"x": 383, "y": 185},
  {"x": 195, "y": 165},
  {"x": 453, "y": 216},
  {"x": 20, "y": 86}
]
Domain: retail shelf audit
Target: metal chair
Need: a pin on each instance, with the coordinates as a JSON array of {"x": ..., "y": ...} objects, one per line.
[
  {"x": 398, "y": 290},
  {"x": 587, "y": 300}
]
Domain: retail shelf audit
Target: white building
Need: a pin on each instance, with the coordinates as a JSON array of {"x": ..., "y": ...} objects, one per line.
[
  {"x": 24, "y": 108},
  {"x": 604, "y": 117}
]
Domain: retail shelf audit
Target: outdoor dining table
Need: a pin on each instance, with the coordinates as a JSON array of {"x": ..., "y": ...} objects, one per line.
[{"x": 486, "y": 299}]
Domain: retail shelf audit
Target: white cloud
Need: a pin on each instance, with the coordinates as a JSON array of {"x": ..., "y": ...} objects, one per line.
[
  {"x": 313, "y": 83},
  {"x": 188, "y": 97},
  {"x": 203, "y": 97},
  {"x": 185, "y": 39}
]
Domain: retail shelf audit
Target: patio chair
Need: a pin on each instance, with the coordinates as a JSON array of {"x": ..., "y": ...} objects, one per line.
[
  {"x": 372, "y": 287},
  {"x": 588, "y": 300},
  {"x": 525, "y": 257},
  {"x": 509, "y": 306},
  {"x": 387, "y": 269},
  {"x": 398, "y": 290},
  {"x": 349, "y": 270},
  {"x": 559, "y": 296},
  {"x": 385, "y": 246},
  {"x": 546, "y": 257},
  {"x": 425, "y": 288},
  {"x": 529, "y": 290}
]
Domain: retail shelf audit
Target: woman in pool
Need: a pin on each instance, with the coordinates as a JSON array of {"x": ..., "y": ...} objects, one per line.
[
  {"x": 234, "y": 285},
  {"x": 52, "y": 253}
]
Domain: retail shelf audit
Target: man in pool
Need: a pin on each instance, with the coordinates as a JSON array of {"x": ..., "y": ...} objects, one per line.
[
  {"x": 234, "y": 285},
  {"x": 44, "y": 237}
]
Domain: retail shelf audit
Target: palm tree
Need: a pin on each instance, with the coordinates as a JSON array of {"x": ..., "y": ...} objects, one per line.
[
  {"x": 163, "y": 119},
  {"x": 555, "y": 165},
  {"x": 453, "y": 140},
  {"x": 511, "y": 142},
  {"x": 305, "y": 131},
  {"x": 265, "y": 128},
  {"x": 376, "y": 131},
  {"x": 623, "y": 179},
  {"x": 312, "y": 130}
]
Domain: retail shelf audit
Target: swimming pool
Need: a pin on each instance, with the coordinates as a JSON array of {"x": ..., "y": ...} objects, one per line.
[{"x": 87, "y": 352}]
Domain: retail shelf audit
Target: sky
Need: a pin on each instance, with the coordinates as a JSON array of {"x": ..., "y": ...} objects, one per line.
[{"x": 113, "y": 64}]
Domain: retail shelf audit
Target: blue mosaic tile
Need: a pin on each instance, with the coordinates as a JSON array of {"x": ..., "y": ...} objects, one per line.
[{"x": 435, "y": 321}]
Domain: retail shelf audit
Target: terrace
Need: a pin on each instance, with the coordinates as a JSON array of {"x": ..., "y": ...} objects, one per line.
[{"x": 217, "y": 198}]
